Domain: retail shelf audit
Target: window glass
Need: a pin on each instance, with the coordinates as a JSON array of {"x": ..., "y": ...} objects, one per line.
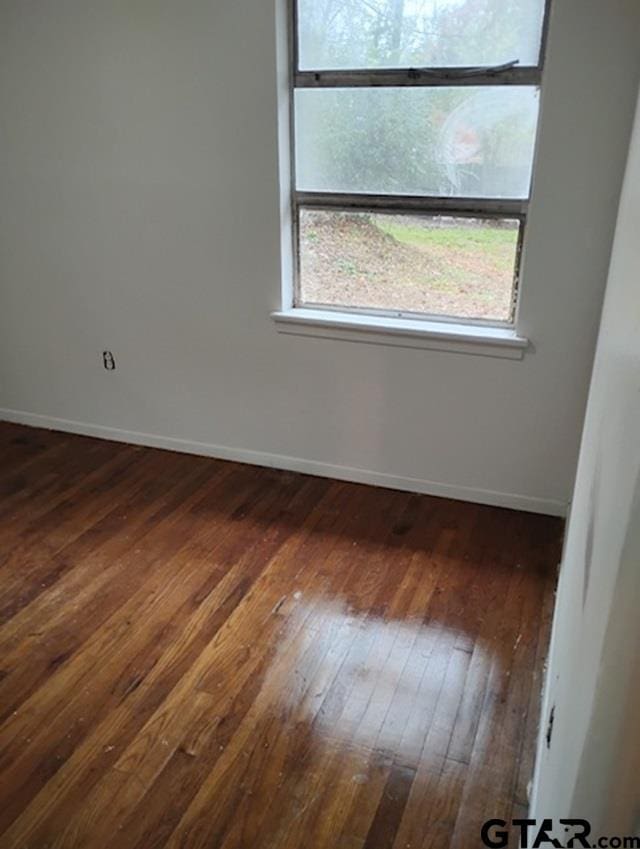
[
  {"x": 347, "y": 34},
  {"x": 439, "y": 265},
  {"x": 458, "y": 141}
]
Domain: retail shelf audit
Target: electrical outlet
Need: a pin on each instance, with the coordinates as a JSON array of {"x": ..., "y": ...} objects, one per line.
[{"x": 108, "y": 361}]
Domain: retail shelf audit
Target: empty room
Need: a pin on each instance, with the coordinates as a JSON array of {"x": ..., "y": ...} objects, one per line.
[{"x": 319, "y": 424}]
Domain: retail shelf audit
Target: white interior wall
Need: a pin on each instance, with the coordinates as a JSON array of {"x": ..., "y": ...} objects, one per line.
[
  {"x": 591, "y": 768},
  {"x": 139, "y": 212}
]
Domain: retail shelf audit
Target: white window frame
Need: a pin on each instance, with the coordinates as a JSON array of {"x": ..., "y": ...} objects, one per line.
[{"x": 397, "y": 327}]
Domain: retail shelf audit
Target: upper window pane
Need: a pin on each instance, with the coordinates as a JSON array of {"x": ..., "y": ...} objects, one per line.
[
  {"x": 458, "y": 142},
  {"x": 347, "y": 34}
]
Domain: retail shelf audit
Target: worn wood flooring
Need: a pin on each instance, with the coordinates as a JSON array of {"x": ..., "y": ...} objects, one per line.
[{"x": 202, "y": 654}]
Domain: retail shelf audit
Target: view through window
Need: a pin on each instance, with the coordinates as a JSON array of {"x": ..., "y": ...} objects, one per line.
[{"x": 414, "y": 132}]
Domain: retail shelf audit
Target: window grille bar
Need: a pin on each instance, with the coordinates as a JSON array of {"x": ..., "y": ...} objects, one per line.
[
  {"x": 409, "y": 204},
  {"x": 509, "y": 75}
]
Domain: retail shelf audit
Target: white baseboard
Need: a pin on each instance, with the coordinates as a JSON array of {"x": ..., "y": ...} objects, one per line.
[{"x": 548, "y": 506}]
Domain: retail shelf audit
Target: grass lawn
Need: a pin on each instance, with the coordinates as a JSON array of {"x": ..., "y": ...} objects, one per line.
[{"x": 461, "y": 238}]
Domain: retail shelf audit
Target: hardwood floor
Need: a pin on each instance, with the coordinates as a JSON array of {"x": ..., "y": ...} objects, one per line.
[{"x": 196, "y": 653}]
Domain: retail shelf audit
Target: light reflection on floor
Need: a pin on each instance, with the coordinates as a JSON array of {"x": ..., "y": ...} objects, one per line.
[{"x": 371, "y": 683}]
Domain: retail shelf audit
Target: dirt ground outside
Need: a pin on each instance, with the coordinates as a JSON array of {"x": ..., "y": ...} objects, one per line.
[{"x": 442, "y": 266}]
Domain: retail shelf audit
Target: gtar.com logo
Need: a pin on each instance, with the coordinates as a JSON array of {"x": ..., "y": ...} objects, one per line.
[{"x": 537, "y": 835}]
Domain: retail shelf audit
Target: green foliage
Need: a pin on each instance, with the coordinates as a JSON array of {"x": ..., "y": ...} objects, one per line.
[{"x": 417, "y": 33}]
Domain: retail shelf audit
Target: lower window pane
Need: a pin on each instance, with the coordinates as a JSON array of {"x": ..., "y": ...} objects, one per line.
[{"x": 437, "y": 265}]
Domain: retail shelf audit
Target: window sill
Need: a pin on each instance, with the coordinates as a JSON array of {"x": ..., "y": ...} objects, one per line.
[{"x": 402, "y": 332}]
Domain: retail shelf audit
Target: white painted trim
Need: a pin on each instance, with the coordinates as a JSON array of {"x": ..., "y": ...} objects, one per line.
[
  {"x": 548, "y": 506},
  {"x": 475, "y": 339}
]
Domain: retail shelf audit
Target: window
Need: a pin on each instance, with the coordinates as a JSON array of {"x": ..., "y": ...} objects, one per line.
[{"x": 414, "y": 126}]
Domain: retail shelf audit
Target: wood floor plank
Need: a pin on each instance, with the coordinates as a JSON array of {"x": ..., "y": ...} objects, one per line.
[
  {"x": 336, "y": 634},
  {"x": 120, "y": 724},
  {"x": 19, "y": 445},
  {"x": 410, "y": 716},
  {"x": 485, "y": 611},
  {"x": 493, "y": 767},
  {"x": 446, "y": 786},
  {"x": 481, "y": 561},
  {"x": 47, "y": 479},
  {"x": 122, "y": 659},
  {"x": 183, "y": 777},
  {"x": 98, "y": 581},
  {"x": 352, "y": 718},
  {"x": 547, "y": 549},
  {"x": 314, "y": 623},
  {"x": 204, "y": 654},
  {"x": 29, "y": 567}
]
